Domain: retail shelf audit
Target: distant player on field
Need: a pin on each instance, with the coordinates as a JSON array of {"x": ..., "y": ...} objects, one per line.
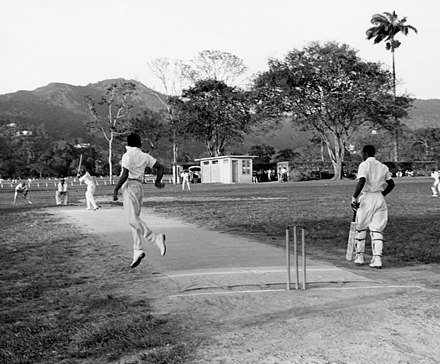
[
  {"x": 185, "y": 179},
  {"x": 23, "y": 190},
  {"x": 85, "y": 177},
  {"x": 436, "y": 183},
  {"x": 61, "y": 196},
  {"x": 134, "y": 162},
  {"x": 375, "y": 182}
]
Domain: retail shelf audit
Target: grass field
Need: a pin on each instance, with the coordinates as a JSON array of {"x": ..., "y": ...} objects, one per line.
[
  {"x": 323, "y": 207},
  {"x": 60, "y": 292}
]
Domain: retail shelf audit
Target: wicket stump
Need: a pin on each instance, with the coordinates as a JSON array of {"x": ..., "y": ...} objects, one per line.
[{"x": 294, "y": 228}]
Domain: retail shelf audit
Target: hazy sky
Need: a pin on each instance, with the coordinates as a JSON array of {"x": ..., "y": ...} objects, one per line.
[{"x": 85, "y": 41}]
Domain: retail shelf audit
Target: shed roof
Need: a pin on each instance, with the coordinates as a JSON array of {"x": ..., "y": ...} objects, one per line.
[{"x": 226, "y": 156}]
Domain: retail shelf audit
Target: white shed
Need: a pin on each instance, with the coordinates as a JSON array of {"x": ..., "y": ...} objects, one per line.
[{"x": 227, "y": 169}]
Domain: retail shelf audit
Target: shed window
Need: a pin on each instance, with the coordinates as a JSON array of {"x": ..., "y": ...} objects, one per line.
[{"x": 246, "y": 167}]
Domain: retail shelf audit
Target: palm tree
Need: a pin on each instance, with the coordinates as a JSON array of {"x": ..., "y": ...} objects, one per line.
[{"x": 385, "y": 27}]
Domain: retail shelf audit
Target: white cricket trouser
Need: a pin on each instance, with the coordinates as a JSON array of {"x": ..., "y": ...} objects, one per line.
[
  {"x": 435, "y": 187},
  {"x": 372, "y": 214},
  {"x": 185, "y": 180},
  {"x": 89, "y": 197},
  {"x": 133, "y": 196}
]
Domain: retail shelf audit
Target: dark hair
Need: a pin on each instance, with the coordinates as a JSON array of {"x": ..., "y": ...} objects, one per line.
[
  {"x": 369, "y": 150},
  {"x": 134, "y": 140}
]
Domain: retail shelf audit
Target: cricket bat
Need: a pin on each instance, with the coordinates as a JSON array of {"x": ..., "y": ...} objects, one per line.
[
  {"x": 351, "y": 239},
  {"x": 80, "y": 162}
]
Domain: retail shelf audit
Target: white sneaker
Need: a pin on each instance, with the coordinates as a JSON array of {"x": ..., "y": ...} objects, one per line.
[
  {"x": 376, "y": 262},
  {"x": 159, "y": 240},
  {"x": 138, "y": 256},
  {"x": 359, "y": 260}
]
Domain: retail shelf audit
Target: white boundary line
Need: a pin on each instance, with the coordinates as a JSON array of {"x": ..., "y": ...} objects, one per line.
[
  {"x": 250, "y": 271},
  {"x": 283, "y": 290},
  {"x": 366, "y": 287}
]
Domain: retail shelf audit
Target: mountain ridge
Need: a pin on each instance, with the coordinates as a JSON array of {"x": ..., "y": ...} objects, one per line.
[{"x": 62, "y": 109}]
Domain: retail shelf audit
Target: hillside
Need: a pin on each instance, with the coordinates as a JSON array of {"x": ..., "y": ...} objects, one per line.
[
  {"x": 424, "y": 114},
  {"x": 62, "y": 109}
]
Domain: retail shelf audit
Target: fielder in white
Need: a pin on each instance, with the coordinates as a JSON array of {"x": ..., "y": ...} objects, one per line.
[
  {"x": 85, "y": 177},
  {"x": 435, "y": 188},
  {"x": 134, "y": 162},
  {"x": 375, "y": 182},
  {"x": 185, "y": 179}
]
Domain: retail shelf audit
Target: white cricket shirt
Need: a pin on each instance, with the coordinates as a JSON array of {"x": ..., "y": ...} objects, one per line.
[
  {"x": 135, "y": 160},
  {"x": 87, "y": 179},
  {"x": 375, "y": 174},
  {"x": 20, "y": 188}
]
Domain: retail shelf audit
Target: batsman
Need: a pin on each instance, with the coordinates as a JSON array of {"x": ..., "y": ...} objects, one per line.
[{"x": 374, "y": 183}]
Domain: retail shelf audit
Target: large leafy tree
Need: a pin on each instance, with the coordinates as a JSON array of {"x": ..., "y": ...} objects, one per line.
[
  {"x": 325, "y": 88},
  {"x": 177, "y": 75},
  {"x": 156, "y": 130},
  {"x": 151, "y": 126},
  {"x": 286, "y": 155},
  {"x": 215, "y": 65},
  {"x": 387, "y": 114},
  {"x": 111, "y": 116},
  {"x": 171, "y": 76},
  {"x": 428, "y": 139},
  {"x": 385, "y": 28},
  {"x": 214, "y": 113},
  {"x": 63, "y": 157},
  {"x": 25, "y": 151},
  {"x": 262, "y": 152}
]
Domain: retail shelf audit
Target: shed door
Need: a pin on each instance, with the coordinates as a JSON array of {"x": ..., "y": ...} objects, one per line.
[
  {"x": 206, "y": 172},
  {"x": 234, "y": 171}
]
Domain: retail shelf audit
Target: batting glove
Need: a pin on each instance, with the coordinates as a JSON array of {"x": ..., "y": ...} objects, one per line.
[{"x": 354, "y": 204}]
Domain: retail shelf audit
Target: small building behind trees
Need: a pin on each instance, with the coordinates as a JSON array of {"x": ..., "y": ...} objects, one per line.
[{"x": 227, "y": 169}]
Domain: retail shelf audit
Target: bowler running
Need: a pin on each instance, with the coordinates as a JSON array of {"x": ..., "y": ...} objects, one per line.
[{"x": 134, "y": 162}]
